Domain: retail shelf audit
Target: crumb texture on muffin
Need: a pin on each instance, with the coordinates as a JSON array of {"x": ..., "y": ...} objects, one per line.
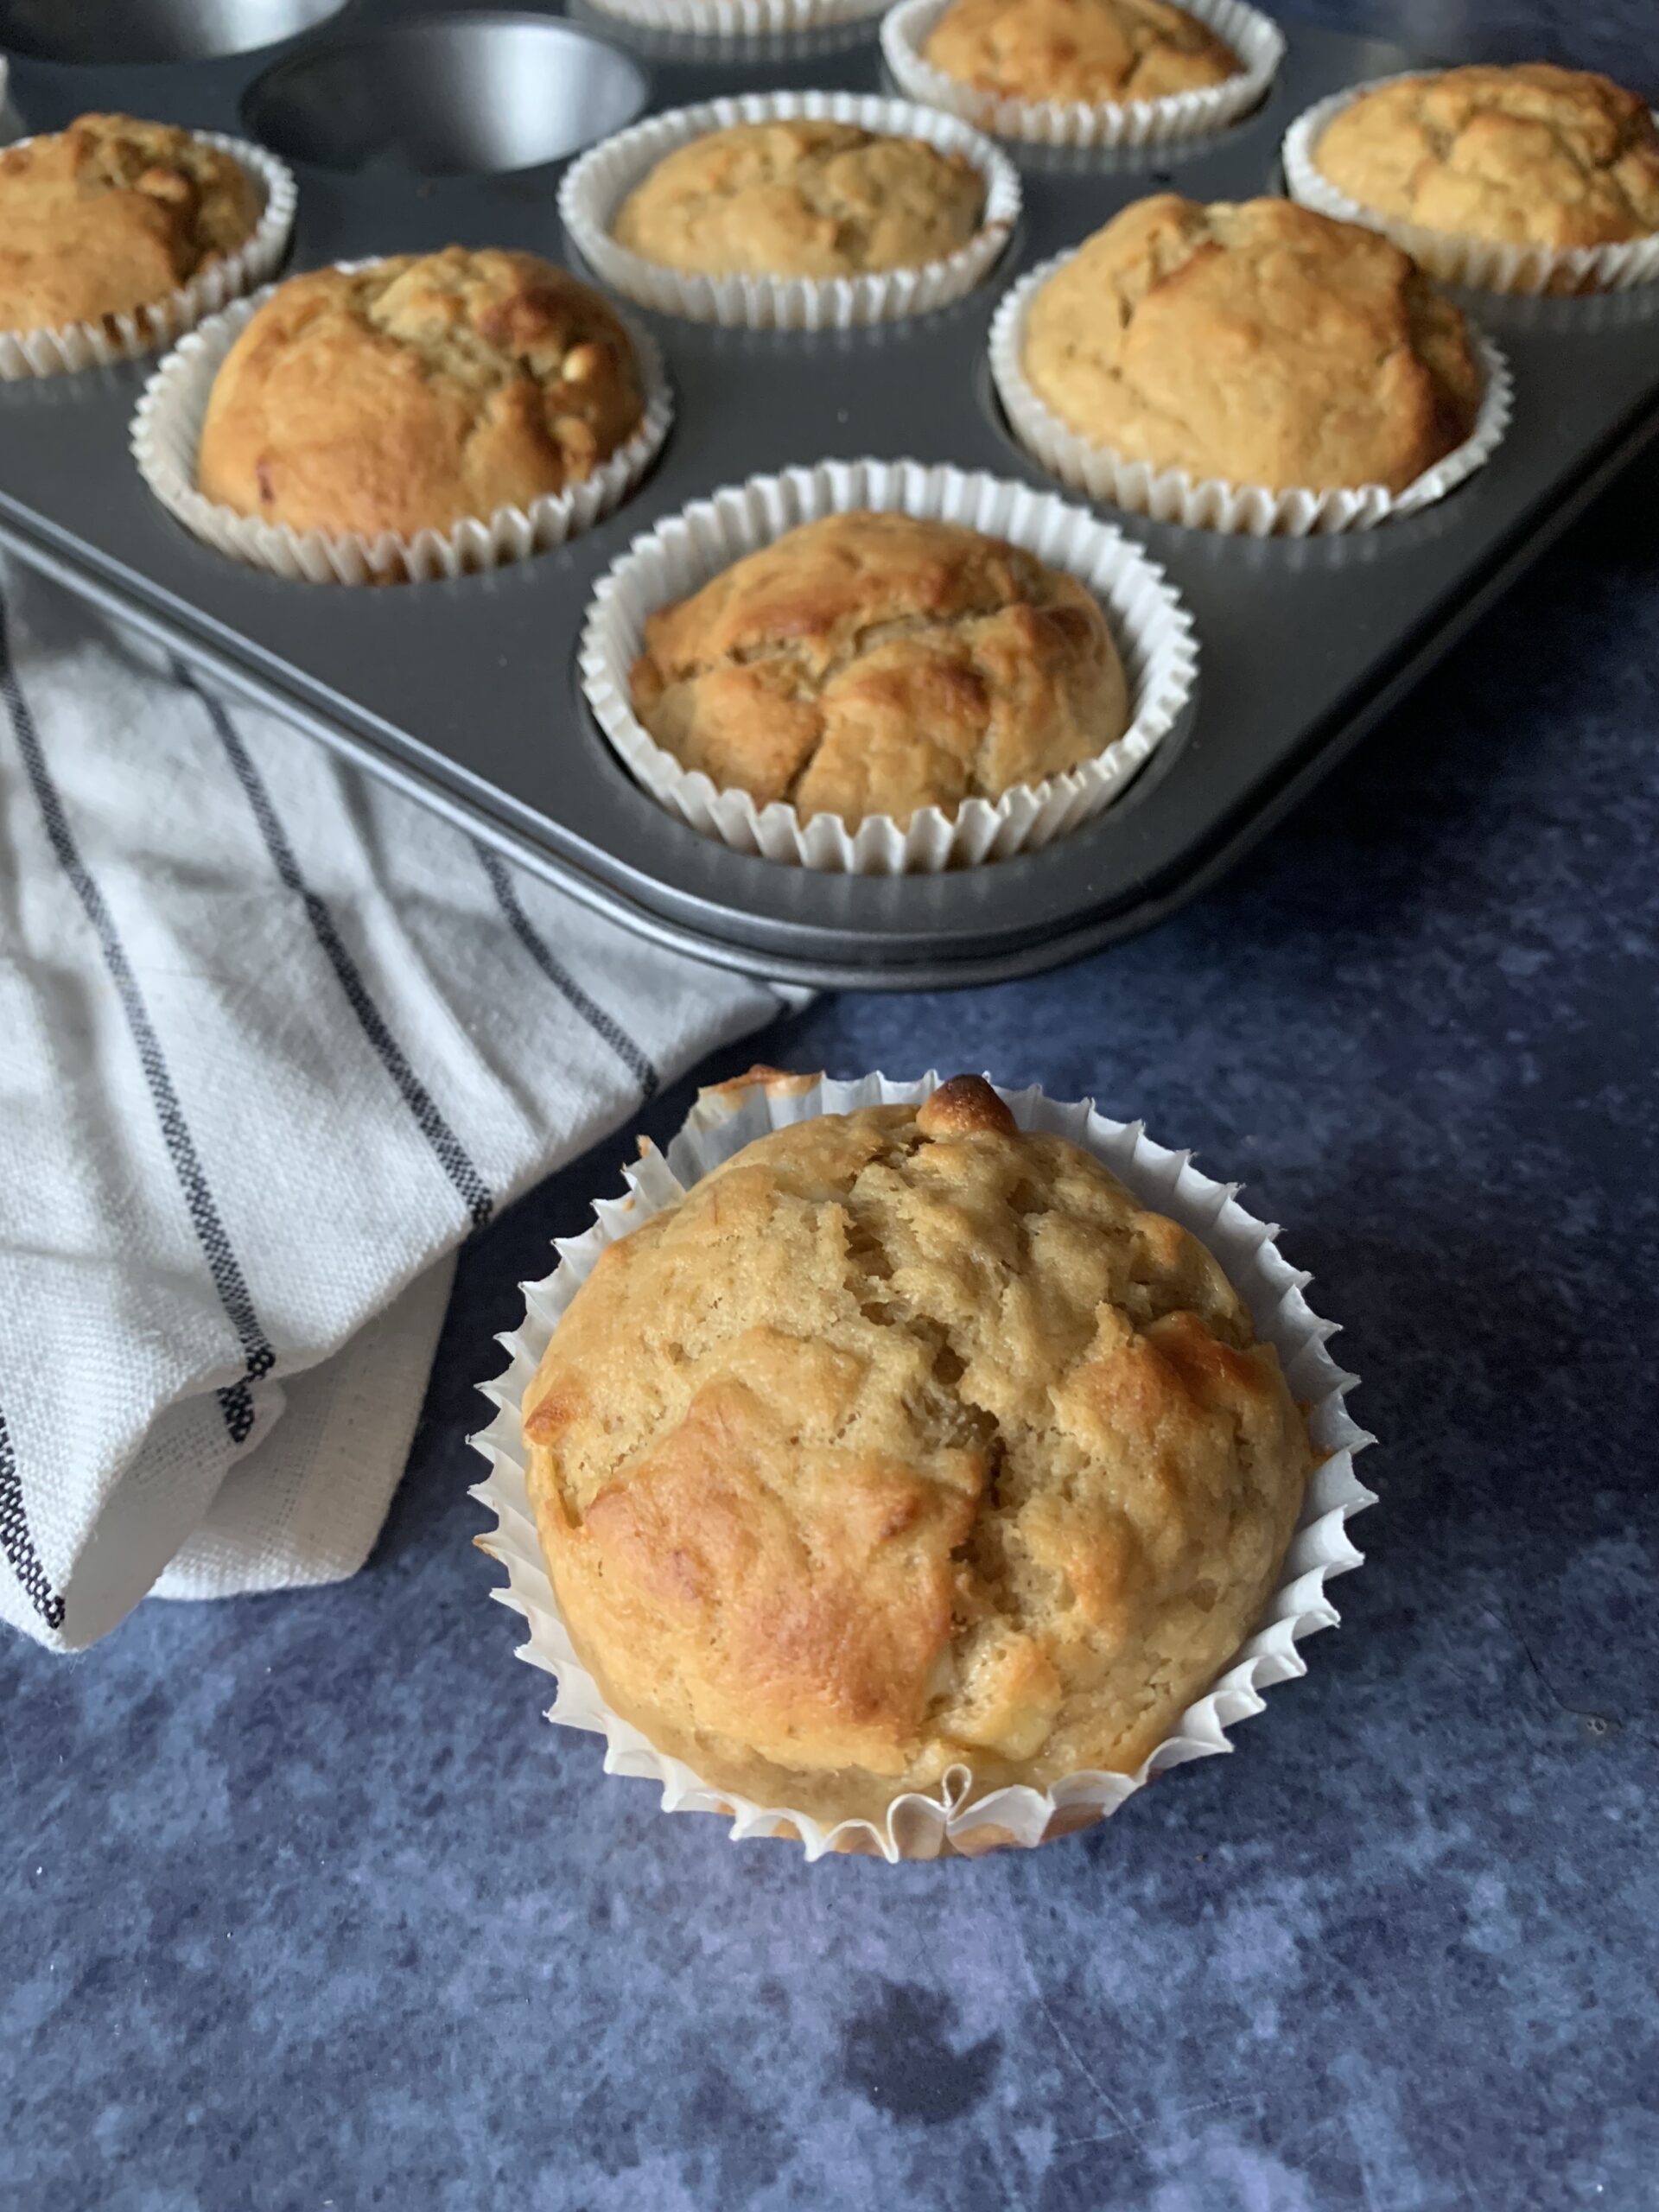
[
  {"x": 1258, "y": 342},
  {"x": 417, "y": 392},
  {"x": 907, "y": 1441},
  {"x": 801, "y": 198},
  {"x": 1088, "y": 51},
  {"x": 877, "y": 663},
  {"x": 1529, "y": 155},
  {"x": 103, "y": 218}
]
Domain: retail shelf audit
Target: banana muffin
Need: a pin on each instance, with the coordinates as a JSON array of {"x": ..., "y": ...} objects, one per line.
[
  {"x": 111, "y": 214},
  {"x": 1527, "y": 155},
  {"x": 905, "y": 1441},
  {"x": 801, "y": 198},
  {"x": 877, "y": 663},
  {"x": 1095, "y": 52},
  {"x": 415, "y": 392},
  {"x": 1258, "y": 343}
]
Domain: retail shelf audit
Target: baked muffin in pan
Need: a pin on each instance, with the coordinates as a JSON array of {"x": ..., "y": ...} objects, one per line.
[
  {"x": 1529, "y": 155},
  {"x": 876, "y": 664},
  {"x": 802, "y": 196},
  {"x": 1088, "y": 52},
  {"x": 112, "y": 214},
  {"x": 408, "y": 394},
  {"x": 1257, "y": 342}
]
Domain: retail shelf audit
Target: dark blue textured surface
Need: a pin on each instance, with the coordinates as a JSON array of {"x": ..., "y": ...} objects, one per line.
[{"x": 303, "y": 1903}]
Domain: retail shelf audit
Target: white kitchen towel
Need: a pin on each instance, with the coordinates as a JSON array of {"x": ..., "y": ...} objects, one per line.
[{"x": 273, "y": 1041}]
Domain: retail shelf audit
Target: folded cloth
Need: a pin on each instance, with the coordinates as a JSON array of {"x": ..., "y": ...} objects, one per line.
[{"x": 273, "y": 1040}]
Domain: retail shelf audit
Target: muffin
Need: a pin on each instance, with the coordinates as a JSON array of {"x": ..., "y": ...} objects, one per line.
[
  {"x": 907, "y": 1441},
  {"x": 1530, "y": 156},
  {"x": 876, "y": 664},
  {"x": 112, "y": 214},
  {"x": 801, "y": 198},
  {"x": 1091, "y": 52},
  {"x": 1258, "y": 343},
  {"x": 416, "y": 393}
]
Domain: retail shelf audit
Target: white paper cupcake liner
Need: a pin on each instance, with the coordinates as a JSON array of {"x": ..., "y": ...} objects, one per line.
[
  {"x": 158, "y": 322},
  {"x": 1255, "y": 38},
  {"x": 933, "y": 1825},
  {"x": 1211, "y": 502},
  {"x": 736, "y": 18},
  {"x": 1480, "y": 264},
  {"x": 166, "y": 433},
  {"x": 668, "y": 41},
  {"x": 595, "y": 187},
  {"x": 1150, "y": 626}
]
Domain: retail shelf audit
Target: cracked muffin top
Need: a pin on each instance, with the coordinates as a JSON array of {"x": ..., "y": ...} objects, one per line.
[
  {"x": 1259, "y": 342},
  {"x": 1526, "y": 156},
  {"x": 877, "y": 663},
  {"x": 907, "y": 1440},
  {"x": 415, "y": 392},
  {"x": 112, "y": 213},
  {"x": 801, "y": 198},
  {"x": 1092, "y": 51}
]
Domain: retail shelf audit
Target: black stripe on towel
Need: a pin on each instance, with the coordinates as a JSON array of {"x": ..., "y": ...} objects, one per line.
[
  {"x": 450, "y": 1152},
  {"x": 222, "y": 1265},
  {"x": 602, "y": 1024},
  {"x": 16, "y": 1541}
]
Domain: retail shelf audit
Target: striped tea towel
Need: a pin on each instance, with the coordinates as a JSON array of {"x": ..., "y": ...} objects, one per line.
[{"x": 273, "y": 1039}]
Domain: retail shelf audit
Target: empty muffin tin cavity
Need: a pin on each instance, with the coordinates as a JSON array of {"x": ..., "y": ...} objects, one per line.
[
  {"x": 110, "y": 31},
  {"x": 448, "y": 96}
]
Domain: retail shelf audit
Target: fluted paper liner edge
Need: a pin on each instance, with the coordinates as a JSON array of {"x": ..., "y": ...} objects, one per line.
[
  {"x": 1255, "y": 38},
  {"x": 157, "y": 323},
  {"x": 594, "y": 187},
  {"x": 1211, "y": 502},
  {"x": 717, "y": 19},
  {"x": 928, "y": 1826},
  {"x": 166, "y": 433},
  {"x": 1477, "y": 264},
  {"x": 1150, "y": 626}
]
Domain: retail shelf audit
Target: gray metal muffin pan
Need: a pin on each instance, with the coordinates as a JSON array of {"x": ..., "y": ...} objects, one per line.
[{"x": 410, "y": 132}]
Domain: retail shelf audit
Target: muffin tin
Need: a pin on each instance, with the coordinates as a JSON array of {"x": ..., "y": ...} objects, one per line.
[{"x": 409, "y": 131}]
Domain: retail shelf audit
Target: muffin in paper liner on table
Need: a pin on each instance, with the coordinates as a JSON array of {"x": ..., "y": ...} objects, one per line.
[
  {"x": 391, "y": 420},
  {"x": 117, "y": 236},
  {"x": 916, "y": 1469},
  {"x": 1105, "y": 360},
  {"x": 1523, "y": 178}
]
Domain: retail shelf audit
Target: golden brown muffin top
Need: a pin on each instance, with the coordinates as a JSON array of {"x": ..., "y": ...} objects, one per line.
[
  {"x": 905, "y": 1441},
  {"x": 1260, "y": 343},
  {"x": 417, "y": 392},
  {"x": 112, "y": 213},
  {"x": 876, "y": 664},
  {"x": 1091, "y": 51},
  {"x": 801, "y": 198},
  {"x": 1527, "y": 155}
]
